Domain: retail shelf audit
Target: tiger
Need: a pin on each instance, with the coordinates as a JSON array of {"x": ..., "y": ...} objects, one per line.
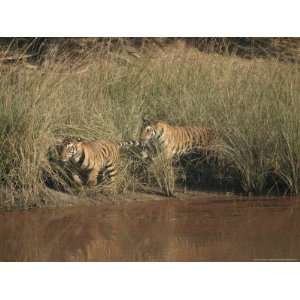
[
  {"x": 173, "y": 141},
  {"x": 89, "y": 159}
]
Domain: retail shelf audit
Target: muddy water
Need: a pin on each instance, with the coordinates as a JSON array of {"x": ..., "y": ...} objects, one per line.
[{"x": 166, "y": 230}]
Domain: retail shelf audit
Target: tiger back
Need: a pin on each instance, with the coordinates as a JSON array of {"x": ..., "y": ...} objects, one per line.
[
  {"x": 174, "y": 140},
  {"x": 89, "y": 159}
]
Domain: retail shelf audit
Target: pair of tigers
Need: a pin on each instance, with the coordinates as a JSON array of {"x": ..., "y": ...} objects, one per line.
[{"x": 102, "y": 156}]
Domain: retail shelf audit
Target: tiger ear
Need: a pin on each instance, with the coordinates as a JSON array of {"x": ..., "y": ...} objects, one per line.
[
  {"x": 146, "y": 121},
  {"x": 59, "y": 140}
]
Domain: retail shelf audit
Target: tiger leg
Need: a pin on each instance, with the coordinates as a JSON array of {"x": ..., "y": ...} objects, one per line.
[
  {"x": 110, "y": 174},
  {"x": 79, "y": 183},
  {"x": 77, "y": 179},
  {"x": 92, "y": 180}
]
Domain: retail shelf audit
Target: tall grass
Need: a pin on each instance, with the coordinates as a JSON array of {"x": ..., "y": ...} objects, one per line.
[{"x": 253, "y": 105}]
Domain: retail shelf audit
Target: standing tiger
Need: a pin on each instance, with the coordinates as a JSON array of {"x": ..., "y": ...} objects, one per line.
[
  {"x": 89, "y": 159},
  {"x": 172, "y": 140}
]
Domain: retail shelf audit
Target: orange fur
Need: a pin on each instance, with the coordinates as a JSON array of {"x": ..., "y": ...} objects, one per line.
[
  {"x": 94, "y": 158},
  {"x": 174, "y": 140}
]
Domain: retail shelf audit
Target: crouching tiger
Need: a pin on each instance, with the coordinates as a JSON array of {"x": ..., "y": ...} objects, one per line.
[
  {"x": 172, "y": 140},
  {"x": 89, "y": 159}
]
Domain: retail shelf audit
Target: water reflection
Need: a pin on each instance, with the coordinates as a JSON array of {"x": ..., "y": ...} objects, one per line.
[{"x": 167, "y": 230}]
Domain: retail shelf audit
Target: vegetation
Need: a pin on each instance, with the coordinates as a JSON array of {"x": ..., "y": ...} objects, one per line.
[{"x": 254, "y": 106}]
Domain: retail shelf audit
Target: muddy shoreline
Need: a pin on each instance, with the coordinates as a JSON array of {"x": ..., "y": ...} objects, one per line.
[{"x": 56, "y": 199}]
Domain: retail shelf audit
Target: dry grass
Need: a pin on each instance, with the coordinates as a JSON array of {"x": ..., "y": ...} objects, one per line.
[
  {"x": 254, "y": 106},
  {"x": 163, "y": 173}
]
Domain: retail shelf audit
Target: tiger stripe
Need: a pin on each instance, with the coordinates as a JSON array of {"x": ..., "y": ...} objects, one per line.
[
  {"x": 174, "y": 140},
  {"x": 94, "y": 157}
]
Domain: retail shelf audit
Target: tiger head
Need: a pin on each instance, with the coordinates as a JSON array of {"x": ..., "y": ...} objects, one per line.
[
  {"x": 69, "y": 148},
  {"x": 149, "y": 131}
]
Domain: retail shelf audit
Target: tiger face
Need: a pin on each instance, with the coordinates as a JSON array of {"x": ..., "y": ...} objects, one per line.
[
  {"x": 148, "y": 131},
  {"x": 69, "y": 149},
  {"x": 149, "y": 136}
]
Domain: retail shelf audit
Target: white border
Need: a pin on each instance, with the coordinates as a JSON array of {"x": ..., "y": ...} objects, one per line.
[
  {"x": 149, "y": 18},
  {"x": 149, "y": 281}
]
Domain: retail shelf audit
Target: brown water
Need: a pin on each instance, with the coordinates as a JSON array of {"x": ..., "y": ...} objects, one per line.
[{"x": 166, "y": 230}]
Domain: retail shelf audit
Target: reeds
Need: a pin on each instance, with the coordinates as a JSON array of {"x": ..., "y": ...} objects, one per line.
[{"x": 253, "y": 105}]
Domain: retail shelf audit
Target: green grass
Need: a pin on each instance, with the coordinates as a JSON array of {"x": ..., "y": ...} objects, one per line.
[{"x": 253, "y": 105}]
